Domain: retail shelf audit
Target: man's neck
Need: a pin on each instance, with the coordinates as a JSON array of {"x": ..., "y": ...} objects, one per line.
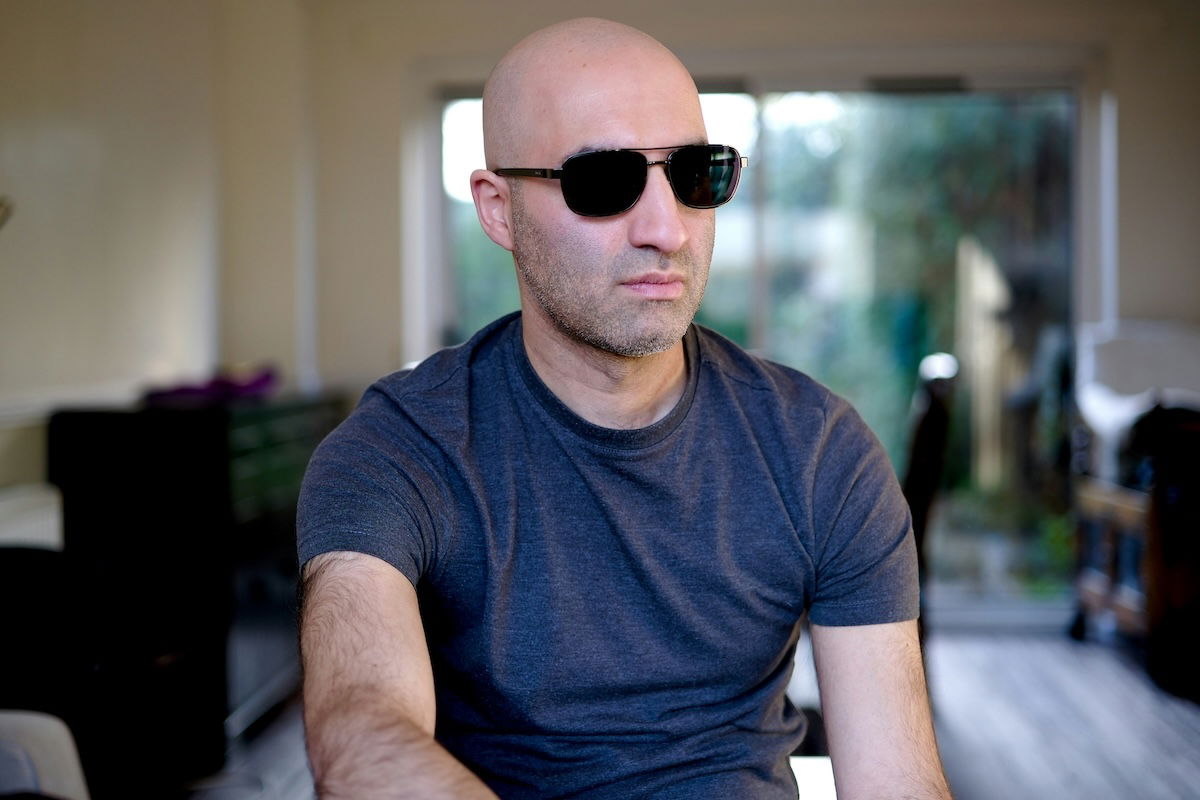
[{"x": 605, "y": 389}]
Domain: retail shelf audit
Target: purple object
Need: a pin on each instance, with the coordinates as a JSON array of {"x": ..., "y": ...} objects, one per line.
[{"x": 220, "y": 389}]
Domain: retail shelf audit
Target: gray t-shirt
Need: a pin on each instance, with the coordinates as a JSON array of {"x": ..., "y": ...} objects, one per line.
[{"x": 613, "y": 613}]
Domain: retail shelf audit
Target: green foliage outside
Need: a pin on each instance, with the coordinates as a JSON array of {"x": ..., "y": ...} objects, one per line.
[
  {"x": 918, "y": 174},
  {"x": 485, "y": 284},
  {"x": 899, "y": 181}
]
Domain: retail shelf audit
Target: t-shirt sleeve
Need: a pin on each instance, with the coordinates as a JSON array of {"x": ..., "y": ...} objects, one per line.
[
  {"x": 866, "y": 560},
  {"x": 363, "y": 492}
]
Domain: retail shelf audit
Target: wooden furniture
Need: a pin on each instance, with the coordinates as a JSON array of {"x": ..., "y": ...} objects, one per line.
[
  {"x": 1111, "y": 524},
  {"x": 46, "y": 746},
  {"x": 1139, "y": 551}
]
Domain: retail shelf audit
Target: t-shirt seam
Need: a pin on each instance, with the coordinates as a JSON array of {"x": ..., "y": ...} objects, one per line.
[
  {"x": 851, "y": 604},
  {"x": 717, "y": 343},
  {"x": 843, "y": 497},
  {"x": 751, "y": 385},
  {"x": 810, "y": 504},
  {"x": 359, "y": 532},
  {"x": 629, "y": 452},
  {"x": 397, "y": 391},
  {"x": 389, "y": 547}
]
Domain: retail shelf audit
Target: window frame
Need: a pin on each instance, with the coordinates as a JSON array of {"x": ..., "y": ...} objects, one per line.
[{"x": 427, "y": 283}]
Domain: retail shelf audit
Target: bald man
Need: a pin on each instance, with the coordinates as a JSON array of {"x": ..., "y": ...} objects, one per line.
[{"x": 570, "y": 557}]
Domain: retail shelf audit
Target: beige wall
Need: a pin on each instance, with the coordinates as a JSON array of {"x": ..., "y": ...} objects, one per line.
[
  {"x": 1156, "y": 78},
  {"x": 107, "y": 266},
  {"x": 358, "y": 94},
  {"x": 268, "y": 232},
  {"x": 207, "y": 182},
  {"x": 22, "y": 453}
]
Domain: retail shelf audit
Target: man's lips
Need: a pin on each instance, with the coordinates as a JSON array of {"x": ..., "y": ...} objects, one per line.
[{"x": 656, "y": 286}]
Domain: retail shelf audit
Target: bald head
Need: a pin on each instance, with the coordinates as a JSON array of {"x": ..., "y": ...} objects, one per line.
[{"x": 533, "y": 93}]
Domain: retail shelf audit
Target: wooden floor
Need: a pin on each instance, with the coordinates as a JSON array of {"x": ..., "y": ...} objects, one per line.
[
  {"x": 1034, "y": 716},
  {"x": 1041, "y": 716}
]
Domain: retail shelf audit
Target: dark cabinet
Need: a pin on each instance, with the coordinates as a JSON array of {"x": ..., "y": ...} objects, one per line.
[{"x": 179, "y": 562}]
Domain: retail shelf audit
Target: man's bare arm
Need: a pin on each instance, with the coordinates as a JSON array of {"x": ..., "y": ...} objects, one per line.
[
  {"x": 876, "y": 710},
  {"x": 368, "y": 687}
]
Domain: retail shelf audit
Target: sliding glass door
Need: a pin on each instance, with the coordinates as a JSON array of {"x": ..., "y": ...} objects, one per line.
[{"x": 873, "y": 230}]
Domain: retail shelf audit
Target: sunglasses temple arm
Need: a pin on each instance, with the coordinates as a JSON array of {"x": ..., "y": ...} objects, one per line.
[{"x": 520, "y": 172}]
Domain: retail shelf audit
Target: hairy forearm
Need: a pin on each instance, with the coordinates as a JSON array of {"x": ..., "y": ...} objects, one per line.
[
  {"x": 363, "y": 751},
  {"x": 876, "y": 709},
  {"x": 368, "y": 688}
]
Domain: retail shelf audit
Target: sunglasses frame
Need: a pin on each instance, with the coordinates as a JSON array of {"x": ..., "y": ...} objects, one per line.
[{"x": 557, "y": 174}]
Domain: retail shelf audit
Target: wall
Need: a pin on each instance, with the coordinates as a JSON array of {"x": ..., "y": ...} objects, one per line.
[
  {"x": 209, "y": 182},
  {"x": 268, "y": 231},
  {"x": 358, "y": 95},
  {"x": 377, "y": 68},
  {"x": 107, "y": 266},
  {"x": 1156, "y": 78}
]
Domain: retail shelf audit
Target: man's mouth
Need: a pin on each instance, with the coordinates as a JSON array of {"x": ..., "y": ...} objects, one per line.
[{"x": 656, "y": 285}]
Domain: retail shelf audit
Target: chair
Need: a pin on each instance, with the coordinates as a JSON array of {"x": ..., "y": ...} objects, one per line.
[
  {"x": 927, "y": 451},
  {"x": 38, "y": 755}
]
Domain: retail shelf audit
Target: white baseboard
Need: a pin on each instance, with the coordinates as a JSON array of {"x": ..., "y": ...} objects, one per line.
[{"x": 31, "y": 516}]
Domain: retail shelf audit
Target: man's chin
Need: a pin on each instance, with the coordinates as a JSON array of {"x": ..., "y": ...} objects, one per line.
[{"x": 648, "y": 344}]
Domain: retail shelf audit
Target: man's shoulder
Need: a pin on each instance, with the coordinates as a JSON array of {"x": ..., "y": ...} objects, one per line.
[
  {"x": 775, "y": 400},
  {"x": 753, "y": 373},
  {"x": 426, "y": 400},
  {"x": 448, "y": 370}
]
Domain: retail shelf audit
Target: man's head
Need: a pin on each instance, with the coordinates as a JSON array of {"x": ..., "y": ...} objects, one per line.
[{"x": 628, "y": 283}]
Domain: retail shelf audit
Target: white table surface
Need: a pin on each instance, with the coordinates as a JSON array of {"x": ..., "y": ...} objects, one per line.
[
  {"x": 814, "y": 776},
  {"x": 31, "y": 516}
]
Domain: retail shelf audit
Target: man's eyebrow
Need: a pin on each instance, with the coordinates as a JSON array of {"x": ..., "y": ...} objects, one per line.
[
  {"x": 595, "y": 148},
  {"x": 587, "y": 148}
]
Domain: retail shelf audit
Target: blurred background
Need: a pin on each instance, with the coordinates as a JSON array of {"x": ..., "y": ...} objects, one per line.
[{"x": 220, "y": 220}]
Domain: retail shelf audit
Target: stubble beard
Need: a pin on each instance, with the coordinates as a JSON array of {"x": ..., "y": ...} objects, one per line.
[{"x": 583, "y": 306}]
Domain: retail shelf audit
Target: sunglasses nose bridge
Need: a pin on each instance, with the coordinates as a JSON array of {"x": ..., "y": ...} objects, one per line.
[
  {"x": 666, "y": 168},
  {"x": 666, "y": 172},
  {"x": 656, "y": 218}
]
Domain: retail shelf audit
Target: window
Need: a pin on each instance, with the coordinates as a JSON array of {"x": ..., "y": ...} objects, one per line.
[
  {"x": 870, "y": 231},
  {"x": 481, "y": 284}
]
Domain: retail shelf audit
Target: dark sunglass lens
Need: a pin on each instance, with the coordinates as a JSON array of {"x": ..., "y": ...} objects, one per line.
[
  {"x": 603, "y": 183},
  {"x": 704, "y": 176}
]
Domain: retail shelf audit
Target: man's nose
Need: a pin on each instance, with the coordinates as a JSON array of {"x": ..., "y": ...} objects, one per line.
[{"x": 655, "y": 220}]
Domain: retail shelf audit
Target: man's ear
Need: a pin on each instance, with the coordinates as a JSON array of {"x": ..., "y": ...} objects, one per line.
[{"x": 492, "y": 205}]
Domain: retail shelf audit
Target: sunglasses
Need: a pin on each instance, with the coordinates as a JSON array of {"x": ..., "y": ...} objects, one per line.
[{"x": 602, "y": 183}]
